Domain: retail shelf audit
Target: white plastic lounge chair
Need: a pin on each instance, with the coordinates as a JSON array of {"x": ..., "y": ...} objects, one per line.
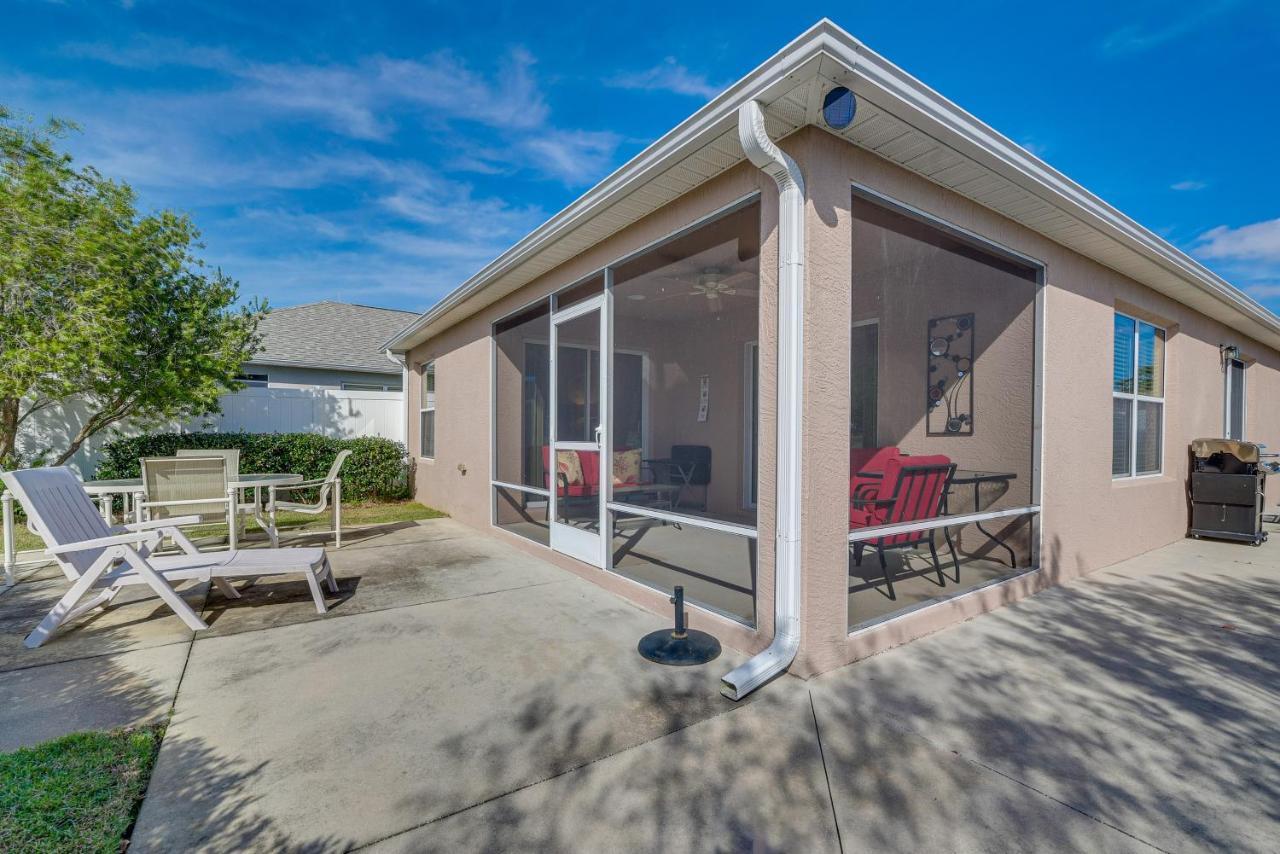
[
  {"x": 329, "y": 486},
  {"x": 97, "y": 557}
]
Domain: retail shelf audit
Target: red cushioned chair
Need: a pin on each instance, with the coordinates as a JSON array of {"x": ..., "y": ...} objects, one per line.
[
  {"x": 912, "y": 490},
  {"x": 866, "y": 471}
]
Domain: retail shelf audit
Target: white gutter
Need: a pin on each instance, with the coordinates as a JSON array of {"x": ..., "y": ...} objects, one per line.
[{"x": 762, "y": 152}]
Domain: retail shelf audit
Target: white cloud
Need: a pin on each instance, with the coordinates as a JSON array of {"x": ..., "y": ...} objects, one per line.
[
  {"x": 368, "y": 99},
  {"x": 352, "y": 98},
  {"x": 1188, "y": 186},
  {"x": 1135, "y": 38},
  {"x": 1039, "y": 149},
  {"x": 1257, "y": 242},
  {"x": 574, "y": 157},
  {"x": 668, "y": 76},
  {"x": 1263, "y": 291}
]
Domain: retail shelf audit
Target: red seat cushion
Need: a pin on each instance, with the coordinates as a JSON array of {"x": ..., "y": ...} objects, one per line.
[
  {"x": 864, "y": 461},
  {"x": 590, "y": 462}
]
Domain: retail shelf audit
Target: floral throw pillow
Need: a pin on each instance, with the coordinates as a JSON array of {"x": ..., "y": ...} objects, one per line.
[
  {"x": 568, "y": 464},
  {"x": 626, "y": 467}
]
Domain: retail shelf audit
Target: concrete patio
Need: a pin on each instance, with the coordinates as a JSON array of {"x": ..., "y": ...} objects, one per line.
[{"x": 461, "y": 695}]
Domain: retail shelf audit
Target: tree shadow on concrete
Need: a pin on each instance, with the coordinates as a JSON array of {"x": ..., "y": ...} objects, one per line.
[
  {"x": 1135, "y": 700},
  {"x": 703, "y": 775},
  {"x": 201, "y": 800},
  {"x": 107, "y": 692}
]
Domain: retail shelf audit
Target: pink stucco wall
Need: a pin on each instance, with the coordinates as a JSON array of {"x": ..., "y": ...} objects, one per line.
[{"x": 1089, "y": 520}]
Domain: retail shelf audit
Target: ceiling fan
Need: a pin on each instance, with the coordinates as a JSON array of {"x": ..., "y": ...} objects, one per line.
[{"x": 714, "y": 283}]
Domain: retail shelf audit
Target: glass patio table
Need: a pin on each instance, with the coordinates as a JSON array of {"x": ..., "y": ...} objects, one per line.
[{"x": 966, "y": 477}]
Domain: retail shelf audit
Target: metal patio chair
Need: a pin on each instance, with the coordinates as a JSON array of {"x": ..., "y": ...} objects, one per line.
[
  {"x": 913, "y": 490},
  {"x": 328, "y": 493}
]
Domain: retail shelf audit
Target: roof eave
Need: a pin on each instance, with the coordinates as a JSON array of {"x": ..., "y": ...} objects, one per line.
[{"x": 323, "y": 366}]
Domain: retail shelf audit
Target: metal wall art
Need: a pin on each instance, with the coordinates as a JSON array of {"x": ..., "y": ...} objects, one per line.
[{"x": 950, "y": 381}]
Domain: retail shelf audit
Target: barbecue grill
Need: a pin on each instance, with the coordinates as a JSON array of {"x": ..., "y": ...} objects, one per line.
[{"x": 1228, "y": 487}]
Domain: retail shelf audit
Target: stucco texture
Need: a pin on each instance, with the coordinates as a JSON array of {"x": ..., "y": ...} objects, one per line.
[{"x": 1089, "y": 520}]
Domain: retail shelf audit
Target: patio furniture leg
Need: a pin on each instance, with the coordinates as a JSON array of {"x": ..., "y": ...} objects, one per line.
[
  {"x": 10, "y": 555},
  {"x": 884, "y": 568},
  {"x": 102, "y": 600},
  {"x": 316, "y": 593},
  {"x": 951, "y": 546},
  {"x": 233, "y": 519},
  {"x": 937, "y": 564},
  {"x": 329, "y": 577},
  {"x": 337, "y": 514},
  {"x": 66, "y": 606},
  {"x": 225, "y": 588},
  {"x": 164, "y": 590},
  {"x": 857, "y": 554}
]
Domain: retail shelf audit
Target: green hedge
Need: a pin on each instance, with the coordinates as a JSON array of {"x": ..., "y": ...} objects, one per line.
[{"x": 376, "y": 469}]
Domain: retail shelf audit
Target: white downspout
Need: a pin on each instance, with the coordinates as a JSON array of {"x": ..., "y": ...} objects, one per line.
[
  {"x": 761, "y": 151},
  {"x": 402, "y": 359}
]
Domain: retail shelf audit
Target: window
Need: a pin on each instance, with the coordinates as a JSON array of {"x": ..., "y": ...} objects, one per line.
[
  {"x": 253, "y": 380},
  {"x": 942, "y": 411},
  {"x": 1137, "y": 392},
  {"x": 427, "y": 414},
  {"x": 368, "y": 387},
  {"x": 1235, "y": 399}
]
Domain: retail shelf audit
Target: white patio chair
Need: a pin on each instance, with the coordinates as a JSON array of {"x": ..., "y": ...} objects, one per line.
[
  {"x": 95, "y": 556},
  {"x": 232, "y": 456},
  {"x": 330, "y": 488}
]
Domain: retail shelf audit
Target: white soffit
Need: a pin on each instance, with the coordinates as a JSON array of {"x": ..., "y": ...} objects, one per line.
[{"x": 899, "y": 119}]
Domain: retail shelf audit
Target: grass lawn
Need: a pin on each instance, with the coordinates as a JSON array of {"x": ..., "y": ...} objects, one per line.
[
  {"x": 75, "y": 793},
  {"x": 353, "y": 515}
]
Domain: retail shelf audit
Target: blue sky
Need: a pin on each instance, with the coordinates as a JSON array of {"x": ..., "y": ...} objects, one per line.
[{"x": 381, "y": 152}]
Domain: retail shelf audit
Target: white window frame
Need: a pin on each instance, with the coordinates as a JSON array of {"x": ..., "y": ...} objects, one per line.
[
  {"x": 1136, "y": 398},
  {"x": 359, "y": 386},
  {"x": 1227, "y": 394},
  {"x": 426, "y": 404}
]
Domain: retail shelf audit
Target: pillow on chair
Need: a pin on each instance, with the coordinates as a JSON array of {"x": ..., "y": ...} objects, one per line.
[
  {"x": 626, "y": 467},
  {"x": 568, "y": 464}
]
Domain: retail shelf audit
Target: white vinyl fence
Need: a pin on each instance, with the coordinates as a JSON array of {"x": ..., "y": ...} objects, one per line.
[
  {"x": 343, "y": 414},
  {"x": 330, "y": 412}
]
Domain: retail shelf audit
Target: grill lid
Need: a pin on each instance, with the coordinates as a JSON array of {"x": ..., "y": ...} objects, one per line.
[{"x": 1245, "y": 452}]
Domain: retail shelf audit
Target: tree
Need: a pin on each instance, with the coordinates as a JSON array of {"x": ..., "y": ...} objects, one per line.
[{"x": 102, "y": 304}]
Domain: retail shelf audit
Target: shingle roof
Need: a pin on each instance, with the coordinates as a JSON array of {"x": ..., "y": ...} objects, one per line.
[{"x": 332, "y": 335}]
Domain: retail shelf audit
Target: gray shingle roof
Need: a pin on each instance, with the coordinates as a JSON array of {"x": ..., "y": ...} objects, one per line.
[{"x": 331, "y": 334}]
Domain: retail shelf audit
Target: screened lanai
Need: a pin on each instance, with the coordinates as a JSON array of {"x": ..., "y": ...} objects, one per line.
[
  {"x": 943, "y": 441},
  {"x": 625, "y": 415}
]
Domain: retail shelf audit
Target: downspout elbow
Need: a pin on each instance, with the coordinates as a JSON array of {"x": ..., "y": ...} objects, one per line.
[{"x": 765, "y": 154}]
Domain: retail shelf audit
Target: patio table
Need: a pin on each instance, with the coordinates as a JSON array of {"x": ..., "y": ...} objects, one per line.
[
  {"x": 130, "y": 490},
  {"x": 965, "y": 477}
]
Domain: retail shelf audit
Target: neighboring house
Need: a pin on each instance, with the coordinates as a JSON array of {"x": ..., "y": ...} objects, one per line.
[
  {"x": 887, "y": 368},
  {"x": 322, "y": 369},
  {"x": 327, "y": 345}
]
